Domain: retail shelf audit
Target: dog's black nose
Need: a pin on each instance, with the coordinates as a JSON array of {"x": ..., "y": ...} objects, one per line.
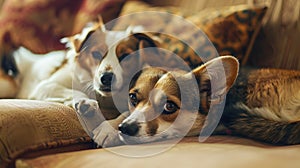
[
  {"x": 106, "y": 78},
  {"x": 130, "y": 129}
]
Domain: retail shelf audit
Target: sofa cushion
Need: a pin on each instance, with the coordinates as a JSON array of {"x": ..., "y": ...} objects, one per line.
[
  {"x": 232, "y": 30},
  {"x": 216, "y": 152},
  {"x": 32, "y": 128}
]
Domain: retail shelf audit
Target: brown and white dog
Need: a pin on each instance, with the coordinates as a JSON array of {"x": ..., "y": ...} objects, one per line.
[
  {"x": 261, "y": 104},
  {"x": 161, "y": 110}
]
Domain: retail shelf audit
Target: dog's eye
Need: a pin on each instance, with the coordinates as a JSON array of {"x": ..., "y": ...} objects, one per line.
[
  {"x": 97, "y": 55},
  {"x": 170, "y": 107},
  {"x": 133, "y": 99}
]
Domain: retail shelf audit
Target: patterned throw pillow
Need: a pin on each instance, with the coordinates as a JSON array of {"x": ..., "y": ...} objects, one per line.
[{"x": 230, "y": 29}]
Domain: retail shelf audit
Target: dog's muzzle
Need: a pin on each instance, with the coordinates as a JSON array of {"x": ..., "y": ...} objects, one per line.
[
  {"x": 130, "y": 129},
  {"x": 106, "y": 81}
]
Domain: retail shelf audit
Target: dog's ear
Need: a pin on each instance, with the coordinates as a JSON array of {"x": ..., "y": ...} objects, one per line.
[
  {"x": 77, "y": 41},
  {"x": 219, "y": 73},
  {"x": 145, "y": 40},
  {"x": 148, "y": 49}
]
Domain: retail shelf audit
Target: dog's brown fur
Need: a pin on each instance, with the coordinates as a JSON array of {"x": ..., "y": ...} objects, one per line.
[{"x": 271, "y": 110}]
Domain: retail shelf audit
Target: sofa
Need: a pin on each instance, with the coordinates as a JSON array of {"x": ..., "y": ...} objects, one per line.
[{"x": 41, "y": 134}]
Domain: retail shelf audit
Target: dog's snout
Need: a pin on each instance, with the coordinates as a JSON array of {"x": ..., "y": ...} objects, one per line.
[
  {"x": 130, "y": 129},
  {"x": 106, "y": 78}
]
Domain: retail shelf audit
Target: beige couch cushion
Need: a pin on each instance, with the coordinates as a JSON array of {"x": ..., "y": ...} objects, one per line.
[
  {"x": 33, "y": 128},
  {"x": 216, "y": 152}
]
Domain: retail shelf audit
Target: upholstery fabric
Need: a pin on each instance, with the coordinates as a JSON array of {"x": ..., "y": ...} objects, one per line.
[{"x": 28, "y": 126}]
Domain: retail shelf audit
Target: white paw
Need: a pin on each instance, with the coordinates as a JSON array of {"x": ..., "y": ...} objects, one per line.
[
  {"x": 106, "y": 135},
  {"x": 87, "y": 107},
  {"x": 89, "y": 114}
]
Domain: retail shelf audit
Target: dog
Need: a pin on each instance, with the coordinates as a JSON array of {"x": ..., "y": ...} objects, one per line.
[
  {"x": 68, "y": 76},
  {"x": 262, "y": 104},
  {"x": 148, "y": 122}
]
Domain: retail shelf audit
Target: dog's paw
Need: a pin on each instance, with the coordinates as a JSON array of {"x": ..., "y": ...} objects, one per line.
[
  {"x": 87, "y": 107},
  {"x": 89, "y": 114},
  {"x": 106, "y": 135}
]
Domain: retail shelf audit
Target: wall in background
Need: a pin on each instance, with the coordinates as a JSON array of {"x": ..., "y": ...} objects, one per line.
[{"x": 278, "y": 43}]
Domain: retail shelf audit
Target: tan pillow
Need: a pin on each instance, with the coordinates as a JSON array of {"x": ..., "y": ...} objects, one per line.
[
  {"x": 33, "y": 128},
  {"x": 231, "y": 29}
]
